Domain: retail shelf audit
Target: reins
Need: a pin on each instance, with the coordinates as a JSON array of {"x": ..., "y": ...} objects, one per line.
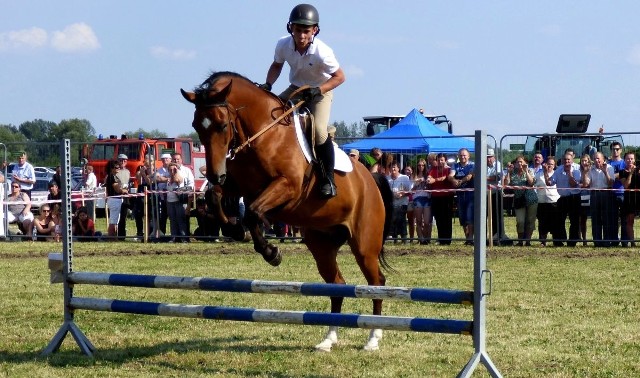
[{"x": 275, "y": 122}]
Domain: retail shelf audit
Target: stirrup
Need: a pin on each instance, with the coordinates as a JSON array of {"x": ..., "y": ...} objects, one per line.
[{"x": 328, "y": 190}]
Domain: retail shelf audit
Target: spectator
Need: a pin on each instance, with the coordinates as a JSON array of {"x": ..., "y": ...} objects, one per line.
[
  {"x": 20, "y": 212},
  {"x": 630, "y": 178},
  {"x": 376, "y": 154},
  {"x": 84, "y": 228},
  {"x": 618, "y": 165},
  {"x": 208, "y": 229},
  {"x": 400, "y": 185},
  {"x": 54, "y": 191},
  {"x": 548, "y": 196},
  {"x": 384, "y": 165},
  {"x": 461, "y": 177},
  {"x": 57, "y": 176},
  {"x": 143, "y": 178},
  {"x": 189, "y": 179},
  {"x": 90, "y": 184},
  {"x": 24, "y": 174},
  {"x": 441, "y": 199},
  {"x": 525, "y": 201},
  {"x": 124, "y": 178},
  {"x": 176, "y": 205},
  {"x": 538, "y": 160},
  {"x": 567, "y": 181},
  {"x": 43, "y": 225},
  {"x": 422, "y": 202},
  {"x": 408, "y": 171},
  {"x": 56, "y": 219},
  {"x": 114, "y": 197},
  {"x": 162, "y": 178},
  {"x": 585, "y": 196},
  {"x": 603, "y": 203},
  {"x": 494, "y": 179}
]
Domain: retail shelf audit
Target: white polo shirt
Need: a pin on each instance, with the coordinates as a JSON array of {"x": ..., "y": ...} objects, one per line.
[{"x": 313, "y": 68}]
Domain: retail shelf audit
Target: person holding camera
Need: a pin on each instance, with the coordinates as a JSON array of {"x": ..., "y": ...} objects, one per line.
[
  {"x": 143, "y": 177},
  {"x": 176, "y": 205}
]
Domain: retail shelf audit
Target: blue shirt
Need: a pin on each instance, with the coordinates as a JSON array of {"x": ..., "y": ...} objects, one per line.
[
  {"x": 618, "y": 166},
  {"x": 560, "y": 178},
  {"x": 461, "y": 172}
]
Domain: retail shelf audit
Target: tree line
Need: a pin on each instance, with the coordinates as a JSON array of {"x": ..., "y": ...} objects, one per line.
[{"x": 39, "y": 138}]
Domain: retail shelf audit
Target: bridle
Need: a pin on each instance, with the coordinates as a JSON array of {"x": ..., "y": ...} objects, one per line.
[{"x": 233, "y": 150}]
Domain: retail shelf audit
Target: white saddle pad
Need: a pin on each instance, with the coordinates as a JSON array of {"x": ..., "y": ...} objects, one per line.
[{"x": 343, "y": 163}]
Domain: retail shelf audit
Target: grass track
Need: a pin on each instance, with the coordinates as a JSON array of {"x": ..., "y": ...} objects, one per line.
[{"x": 553, "y": 313}]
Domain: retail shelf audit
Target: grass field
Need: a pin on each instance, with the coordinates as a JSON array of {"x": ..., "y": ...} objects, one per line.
[{"x": 552, "y": 313}]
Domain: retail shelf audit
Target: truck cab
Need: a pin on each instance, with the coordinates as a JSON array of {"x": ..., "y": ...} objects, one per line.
[{"x": 571, "y": 132}]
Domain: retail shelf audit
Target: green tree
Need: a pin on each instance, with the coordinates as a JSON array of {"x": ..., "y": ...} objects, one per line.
[
  {"x": 150, "y": 134},
  {"x": 193, "y": 135},
  {"x": 37, "y": 130},
  {"x": 14, "y": 141}
]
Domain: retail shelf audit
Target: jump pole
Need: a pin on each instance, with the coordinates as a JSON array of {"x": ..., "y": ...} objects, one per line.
[{"x": 477, "y": 327}]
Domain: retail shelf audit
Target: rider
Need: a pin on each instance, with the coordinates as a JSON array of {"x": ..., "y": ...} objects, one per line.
[{"x": 311, "y": 63}]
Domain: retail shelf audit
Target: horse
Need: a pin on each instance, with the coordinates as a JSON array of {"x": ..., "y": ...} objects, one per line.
[{"x": 250, "y": 140}]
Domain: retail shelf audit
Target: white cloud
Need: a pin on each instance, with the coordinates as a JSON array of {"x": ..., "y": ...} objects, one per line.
[
  {"x": 161, "y": 52},
  {"x": 353, "y": 71},
  {"x": 27, "y": 38},
  {"x": 75, "y": 38},
  {"x": 634, "y": 55}
]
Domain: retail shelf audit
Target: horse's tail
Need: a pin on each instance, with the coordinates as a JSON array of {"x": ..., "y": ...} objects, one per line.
[{"x": 387, "y": 199}]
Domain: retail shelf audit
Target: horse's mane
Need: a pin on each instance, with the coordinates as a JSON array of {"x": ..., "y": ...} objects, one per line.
[{"x": 215, "y": 76}]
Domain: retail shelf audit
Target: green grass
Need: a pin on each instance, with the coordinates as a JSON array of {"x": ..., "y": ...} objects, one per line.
[{"x": 553, "y": 313}]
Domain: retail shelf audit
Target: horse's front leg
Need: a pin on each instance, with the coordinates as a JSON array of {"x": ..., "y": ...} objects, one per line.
[
  {"x": 278, "y": 192},
  {"x": 269, "y": 252}
]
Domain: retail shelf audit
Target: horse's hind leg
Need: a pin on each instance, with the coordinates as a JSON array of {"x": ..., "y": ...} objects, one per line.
[
  {"x": 366, "y": 252},
  {"x": 324, "y": 251}
]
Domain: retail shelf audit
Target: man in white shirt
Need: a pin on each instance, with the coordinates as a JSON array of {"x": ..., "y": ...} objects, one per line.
[
  {"x": 24, "y": 174},
  {"x": 567, "y": 178},
  {"x": 401, "y": 186},
  {"x": 311, "y": 63},
  {"x": 604, "y": 209}
]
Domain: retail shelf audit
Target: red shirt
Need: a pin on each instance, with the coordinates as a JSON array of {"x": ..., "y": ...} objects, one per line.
[{"x": 438, "y": 173}]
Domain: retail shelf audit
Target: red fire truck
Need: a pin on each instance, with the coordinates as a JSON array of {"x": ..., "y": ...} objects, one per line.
[{"x": 137, "y": 149}]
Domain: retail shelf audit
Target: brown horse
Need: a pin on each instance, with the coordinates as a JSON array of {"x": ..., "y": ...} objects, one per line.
[{"x": 272, "y": 174}]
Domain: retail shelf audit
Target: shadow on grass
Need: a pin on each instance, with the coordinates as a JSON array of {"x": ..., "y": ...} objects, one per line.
[{"x": 73, "y": 357}]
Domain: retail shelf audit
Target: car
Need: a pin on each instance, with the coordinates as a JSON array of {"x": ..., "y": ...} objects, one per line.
[
  {"x": 40, "y": 192},
  {"x": 44, "y": 171}
]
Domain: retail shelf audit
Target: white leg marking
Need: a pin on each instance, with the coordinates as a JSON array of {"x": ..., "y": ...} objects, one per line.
[
  {"x": 374, "y": 336},
  {"x": 330, "y": 338}
]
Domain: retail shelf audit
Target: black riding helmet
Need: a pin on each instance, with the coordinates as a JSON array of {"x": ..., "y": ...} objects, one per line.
[{"x": 304, "y": 14}]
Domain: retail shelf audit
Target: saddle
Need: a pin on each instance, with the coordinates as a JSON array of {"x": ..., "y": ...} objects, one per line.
[{"x": 303, "y": 123}]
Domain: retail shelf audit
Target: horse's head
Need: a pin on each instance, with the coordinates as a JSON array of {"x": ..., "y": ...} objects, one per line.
[{"x": 214, "y": 121}]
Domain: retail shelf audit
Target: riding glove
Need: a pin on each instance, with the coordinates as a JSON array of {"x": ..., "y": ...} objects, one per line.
[
  {"x": 265, "y": 86},
  {"x": 311, "y": 94}
]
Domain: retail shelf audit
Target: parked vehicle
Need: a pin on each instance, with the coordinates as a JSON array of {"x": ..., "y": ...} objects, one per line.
[{"x": 102, "y": 150}]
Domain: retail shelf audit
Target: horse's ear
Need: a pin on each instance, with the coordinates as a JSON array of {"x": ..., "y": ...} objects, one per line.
[
  {"x": 189, "y": 96},
  {"x": 225, "y": 91}
]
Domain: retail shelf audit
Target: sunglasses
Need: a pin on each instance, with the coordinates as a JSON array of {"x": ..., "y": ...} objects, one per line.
[
  {"x": 46, "y": 210},
  {"x": 15, "y": 186},
  {"x": 352, "y": 155},
  {"x": 616, "y": 149}
]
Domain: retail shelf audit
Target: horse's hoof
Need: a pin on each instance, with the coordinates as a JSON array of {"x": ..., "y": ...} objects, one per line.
[
  {"x": 374, "y": 337},
  {"x": 275, "y": 257},
  {"x": 324, "y": 346}
]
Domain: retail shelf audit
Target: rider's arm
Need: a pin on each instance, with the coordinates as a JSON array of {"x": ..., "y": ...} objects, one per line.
[{"x": 274, "y": 72}]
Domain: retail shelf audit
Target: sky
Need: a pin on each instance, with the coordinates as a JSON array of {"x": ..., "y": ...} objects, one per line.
[{"x": 507, "y": 67}]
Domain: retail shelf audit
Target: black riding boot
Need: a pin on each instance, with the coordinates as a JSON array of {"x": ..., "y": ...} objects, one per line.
[{"x": 326, "y": 159}]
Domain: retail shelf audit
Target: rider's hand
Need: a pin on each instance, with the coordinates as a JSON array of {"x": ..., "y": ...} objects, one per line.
[
  {"x": 265, "y": 86},
  {"x": 311, "y": 94}
]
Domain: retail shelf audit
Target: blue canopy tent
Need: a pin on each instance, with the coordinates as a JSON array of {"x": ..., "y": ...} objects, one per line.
[{"x": 414, "y": 134}]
